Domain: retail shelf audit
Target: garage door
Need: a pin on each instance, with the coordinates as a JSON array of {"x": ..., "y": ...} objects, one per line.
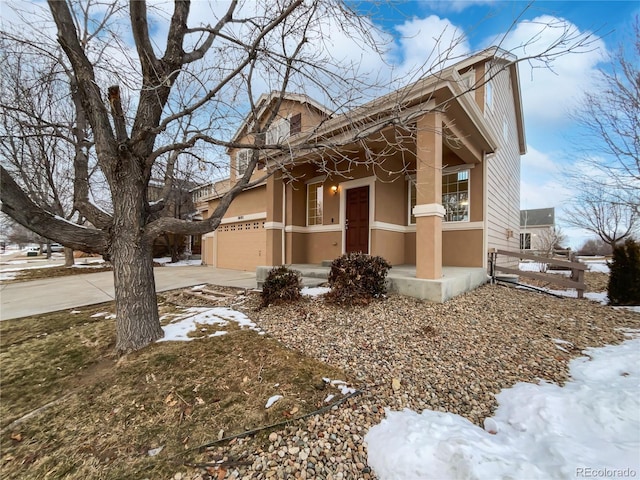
[{"x": 242, "y": 245}]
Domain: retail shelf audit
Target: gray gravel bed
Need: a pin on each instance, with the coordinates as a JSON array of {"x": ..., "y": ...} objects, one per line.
[{"x": 405, "y": 353}]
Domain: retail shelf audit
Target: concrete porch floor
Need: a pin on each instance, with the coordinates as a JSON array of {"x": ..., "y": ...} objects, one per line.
[{"x": 402, "y": 279}]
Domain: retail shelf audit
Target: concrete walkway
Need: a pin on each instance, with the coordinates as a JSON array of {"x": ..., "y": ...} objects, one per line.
[{"x": 23, "y": 299}]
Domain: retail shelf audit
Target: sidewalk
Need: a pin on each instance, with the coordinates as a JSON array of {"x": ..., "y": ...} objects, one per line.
[{"x": 23, "y": 299}]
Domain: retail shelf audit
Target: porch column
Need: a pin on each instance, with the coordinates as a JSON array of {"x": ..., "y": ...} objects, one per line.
[
  {"x": 429, "y": 210},
  {"x": 275, "y": 223}
]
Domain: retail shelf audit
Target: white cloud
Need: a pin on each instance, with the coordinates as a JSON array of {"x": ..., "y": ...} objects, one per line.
[
  {"x": 538, "y": 162},
  {"x": 550, "y": 92},
  {"x": 429, "y": 44}
]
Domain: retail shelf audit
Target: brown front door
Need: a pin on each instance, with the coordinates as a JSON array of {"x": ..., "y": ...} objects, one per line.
[{"x": 357, "y": 220}]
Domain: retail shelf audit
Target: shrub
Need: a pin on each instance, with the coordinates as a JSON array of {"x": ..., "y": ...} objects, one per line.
[
  {"x": 624, "y": 280},
  {"x": 357, "y": 278},
  {"x": 282, "y": 284}
]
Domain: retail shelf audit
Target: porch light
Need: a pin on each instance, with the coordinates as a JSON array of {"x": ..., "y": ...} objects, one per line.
[{"x": 334, "y": 189}]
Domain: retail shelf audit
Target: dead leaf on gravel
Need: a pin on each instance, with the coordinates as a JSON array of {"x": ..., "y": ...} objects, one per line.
[{"x": 17, "y": 436}]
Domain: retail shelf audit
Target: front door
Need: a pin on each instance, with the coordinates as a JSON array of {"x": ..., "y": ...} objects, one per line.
[{"x": 357, "y": 220}]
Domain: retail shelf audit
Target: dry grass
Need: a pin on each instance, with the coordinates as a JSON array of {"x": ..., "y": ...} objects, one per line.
[
  {"x": 106, "y": 414},
  {"x": 50, "y": 272}
]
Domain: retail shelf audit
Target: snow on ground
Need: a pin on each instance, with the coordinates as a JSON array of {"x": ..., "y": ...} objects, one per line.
[
  {"x": 314, "y": 291},
  {"x": 179, "y": 328},
  {"x": 588, "y": 428},
  {"x": 166, "y": 261},
  {"x": 272, "y": 400}
]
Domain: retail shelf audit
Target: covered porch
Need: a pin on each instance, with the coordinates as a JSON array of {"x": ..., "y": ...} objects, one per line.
[{"x": 401, "y": 279}]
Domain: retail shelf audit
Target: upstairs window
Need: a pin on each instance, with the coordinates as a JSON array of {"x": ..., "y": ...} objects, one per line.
[
  {"x": 282, "y": 129},
  {"x": 278, "y": 132},
  {"x": 242, "y": 161},
  {"x": 488, "y": 96},
  {"x": 525, "y": 241}
]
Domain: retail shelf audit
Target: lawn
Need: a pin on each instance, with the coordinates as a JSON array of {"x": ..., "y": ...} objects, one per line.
[{"x": 70, "y": 409}]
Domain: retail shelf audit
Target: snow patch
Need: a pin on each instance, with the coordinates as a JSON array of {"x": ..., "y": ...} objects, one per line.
[
  {"x": 178, "y": 329},
  {"x": 273, "y": 400},
  {"x": 542, "y": 431},
  {"x": 314, "y": 291}
]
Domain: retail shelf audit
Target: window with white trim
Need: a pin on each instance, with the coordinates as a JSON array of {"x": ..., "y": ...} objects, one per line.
[
  {"x": 242, "y": 161},
  {"x": 314, "y": 203},
  {"x": 455, "y": 196},
  {"x": 412, "y": 201},
  {"x": 525, "y": 241},
  {"x": 278, "y": 132},
  {"x": 488, "y": 96}
]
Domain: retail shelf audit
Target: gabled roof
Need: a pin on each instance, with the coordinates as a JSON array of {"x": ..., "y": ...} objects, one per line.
[
  {"x": 415, "y": 94},
  {"x": 538, "y": 217},
  {"x": 267, "y": 98}
]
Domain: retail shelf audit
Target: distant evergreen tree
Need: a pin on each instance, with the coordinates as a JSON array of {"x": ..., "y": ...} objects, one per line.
[{"x": 624, "y": 281}]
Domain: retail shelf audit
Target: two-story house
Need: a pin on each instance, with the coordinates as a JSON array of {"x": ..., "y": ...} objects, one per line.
[{"x": 438, "y": 189}]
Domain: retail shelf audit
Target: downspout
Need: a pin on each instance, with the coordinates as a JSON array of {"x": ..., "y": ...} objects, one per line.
[{"x": 485, "y": 211}]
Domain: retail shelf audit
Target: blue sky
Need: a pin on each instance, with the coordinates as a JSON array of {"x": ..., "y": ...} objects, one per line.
[{"x": 548, "y": 97}]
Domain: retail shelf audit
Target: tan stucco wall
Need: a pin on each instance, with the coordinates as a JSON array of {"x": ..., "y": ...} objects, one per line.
[
  {"x": 392, "y": 202},
  {"x": 410, "y": 248},
  {"x": 462, "y": 248},
  {"x": 389, "y": 245}
]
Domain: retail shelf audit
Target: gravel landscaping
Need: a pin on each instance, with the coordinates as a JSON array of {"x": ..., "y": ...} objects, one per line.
[{"x": 405, "y": 353}]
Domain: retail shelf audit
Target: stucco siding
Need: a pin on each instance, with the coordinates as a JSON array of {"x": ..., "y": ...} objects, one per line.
[
  {"x": 388, "y": 245},
  {"x": 462, "y": 248}
]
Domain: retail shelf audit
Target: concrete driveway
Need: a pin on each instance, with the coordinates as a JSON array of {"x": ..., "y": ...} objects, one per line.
[{"x": 23, "y": 299}]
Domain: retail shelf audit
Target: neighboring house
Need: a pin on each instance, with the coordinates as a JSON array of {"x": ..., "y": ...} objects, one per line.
[
  {"x": 178, "y": 204},
  {"x": 446, "y": 192},
  {"x": 537, "y": 229}
]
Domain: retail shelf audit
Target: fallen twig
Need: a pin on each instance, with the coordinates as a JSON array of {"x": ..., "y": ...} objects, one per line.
[{"x": 33, "y": 413}]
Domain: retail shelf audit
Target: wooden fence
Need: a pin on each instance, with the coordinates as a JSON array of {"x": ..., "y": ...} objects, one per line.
[{"x": 575, "y": 281}]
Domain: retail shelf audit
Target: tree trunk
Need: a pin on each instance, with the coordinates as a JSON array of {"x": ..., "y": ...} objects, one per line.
[
  {"x": 137, "y": 319},
  {"x": 68, "y": 257}
]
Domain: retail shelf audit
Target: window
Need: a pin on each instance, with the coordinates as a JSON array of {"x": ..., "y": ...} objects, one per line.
[
  {"x": 314, "y": 204},
  {"x": 488, "y": 96},
  {"x": 455, "y": 197},
  {"x": 412, "y": 201},
  {"x": 525, "y": 241},
  {"x": 242, "y": 161},
  {"x": 278, "y": 132}
]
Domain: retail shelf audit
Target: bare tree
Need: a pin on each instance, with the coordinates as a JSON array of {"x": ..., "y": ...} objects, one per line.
[
  {"x": 607, "y": 178},
  {"x": 604, "y": 212},
  {"x": 550, "y": 239},
  {"x": 182, "y": 96}
]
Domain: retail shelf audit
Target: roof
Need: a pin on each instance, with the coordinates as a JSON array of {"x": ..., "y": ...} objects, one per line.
[{"x": 538, "y": 217}]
